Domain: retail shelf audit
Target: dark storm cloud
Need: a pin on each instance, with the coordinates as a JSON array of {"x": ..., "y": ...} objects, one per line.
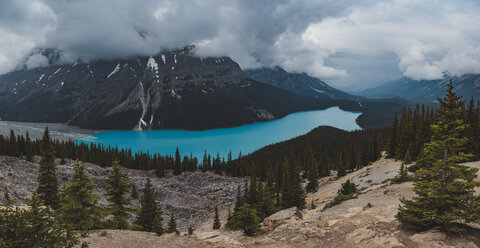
[{"x": 349, "y": 43}]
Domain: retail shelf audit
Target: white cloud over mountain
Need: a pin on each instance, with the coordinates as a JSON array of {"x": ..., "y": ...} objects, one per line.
[{"x": 349, "y": 43}]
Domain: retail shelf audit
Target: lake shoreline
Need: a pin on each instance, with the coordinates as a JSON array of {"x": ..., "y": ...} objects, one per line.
[
  {"x": 35, "y": 130},
  {"x": 244, "y": 139}
]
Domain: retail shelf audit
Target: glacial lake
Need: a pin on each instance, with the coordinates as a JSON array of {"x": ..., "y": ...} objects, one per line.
[{"x": 247, "y": 138}]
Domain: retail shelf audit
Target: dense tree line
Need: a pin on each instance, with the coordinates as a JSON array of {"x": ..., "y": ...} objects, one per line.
[
  {"x": 23, "y": 146},
  {"x": 413, "y": 130},
  {"x": 318, "y": 152}
]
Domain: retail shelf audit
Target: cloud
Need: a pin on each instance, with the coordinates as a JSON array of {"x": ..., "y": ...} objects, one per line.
[
  {"x": 349, "y": 43},
  {"x": 36, "y": 60},
  {"x": 427, "y": 38}
]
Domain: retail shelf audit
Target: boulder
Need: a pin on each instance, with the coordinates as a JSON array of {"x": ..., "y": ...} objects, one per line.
[{"x": 283, "y": 216}]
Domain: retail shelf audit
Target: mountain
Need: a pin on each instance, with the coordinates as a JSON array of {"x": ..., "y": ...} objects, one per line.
[
  {"x": 426, "y": 90},
  {"x": 299, "y": 83},
  {"x": 173, "y": 89}
]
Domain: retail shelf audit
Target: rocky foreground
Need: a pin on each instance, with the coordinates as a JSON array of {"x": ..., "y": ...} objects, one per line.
[
  {"x": 352, "y": 223},
  {"x": 191, "y": 197},
  {"x": 368, "y": 221}
]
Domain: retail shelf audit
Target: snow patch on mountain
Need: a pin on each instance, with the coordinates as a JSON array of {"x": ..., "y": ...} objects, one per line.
[
  {"x": 117, "y": 68},
  {"x": 164, "y": 59},
  {"x": 40, "y": 78},
  {"x": 317, "y": 90}
]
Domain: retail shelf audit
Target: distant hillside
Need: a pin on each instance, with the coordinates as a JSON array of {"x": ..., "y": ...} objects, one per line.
[
  {"x": 426, "y": 90},
  {"x": 299, "y": 83}
]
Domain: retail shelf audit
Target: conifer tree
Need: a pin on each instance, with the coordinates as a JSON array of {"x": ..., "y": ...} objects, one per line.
[
  {"x": 190, "y": 230},
  {"x": 392, "y": 146},
  {"x": 312, "y": 169},
  {"x": 402, "y": 175},
  {"x": 286, "y": 191},
  {"x": 34, "y": 226},
  {"x": 28, "y": 149},
  {"x": 134, "y": 193},
  {"x": 266, "y": 204},
  {"x": 177, "y": 170},
  {"x": 297, "y": 189},
  {"x": 6, "y": 196},
  {"x": 251, "y": 195},
  {"x": 239, "y": 201},
  {"x": 292, "y": 190},
  {"x": 245, "y": 219},
  {"x": 13, "y": 148},
  {"x": 216, "y": 220},
  {"x": 79, "y": 205},
  {"x": 47, "y": 176},
  {"x": 172, "y": 225},
  {"x": 340, "y": 167},
  {"x": 157, "y": 225},
  {"x": 118, "y": 187},
  {"x": 444, "y": 188},
  {"x": 149, "y": 207}
]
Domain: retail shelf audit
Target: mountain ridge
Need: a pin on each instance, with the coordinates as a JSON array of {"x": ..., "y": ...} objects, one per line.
[
  {"x": 299, "y": 83},
  {"x": 467, "y": 85},
  {"x": 171, "y": 90}
]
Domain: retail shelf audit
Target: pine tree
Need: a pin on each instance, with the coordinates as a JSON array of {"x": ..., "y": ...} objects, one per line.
[
  {"x": 266, "y": 204},
  {"x": 239, "y": 201},
  {"x": 312, "y": 169},
  {"x": 190, "y": 230},
  {"x": 6, "y": 196},
  {"x": 157, "y": 225},
  {"x": 286, "y": 191},
  {"x": 216, "y": 220},
  {"x": 149, "y": 207},
  {"x": 298, "y": 197},
  {"x": 47, "y": 176},
  {"x": 28, "y": 148},
  {"x": 34, "y": 226},
  {"x": 402, "y": 175},
  {"x": 340, "y": 167},
  {"x": 79, "y": 205},
  {"x": 245, "y": 219},
  {"x": 444, "y": 188},
  {"x": 134, "y": 193},
  {"x": 392, "y": 146},
  {"x": 172, "y": 225},
  {"x": 118, "y": 187},
  {"x": 177, "y": 169}
]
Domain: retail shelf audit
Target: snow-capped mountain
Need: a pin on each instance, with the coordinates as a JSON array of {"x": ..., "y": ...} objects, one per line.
[
  {"x": 173, "y": 89},
  {"x": 299, "y": 83},
  {"x": 426, "y": 90}
]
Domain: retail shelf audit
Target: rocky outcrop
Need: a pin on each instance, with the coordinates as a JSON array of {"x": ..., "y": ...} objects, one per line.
[{"x": 283, "y": 216}]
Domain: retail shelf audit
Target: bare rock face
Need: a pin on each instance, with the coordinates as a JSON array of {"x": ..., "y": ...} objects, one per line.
[{"x": 283, "y": 216}]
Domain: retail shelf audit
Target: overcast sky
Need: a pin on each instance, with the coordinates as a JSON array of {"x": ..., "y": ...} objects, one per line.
[{"x": 349, "y": 44}]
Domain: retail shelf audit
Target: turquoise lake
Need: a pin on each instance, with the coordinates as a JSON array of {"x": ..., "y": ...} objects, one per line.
[{"x": 246, "y": 139}]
